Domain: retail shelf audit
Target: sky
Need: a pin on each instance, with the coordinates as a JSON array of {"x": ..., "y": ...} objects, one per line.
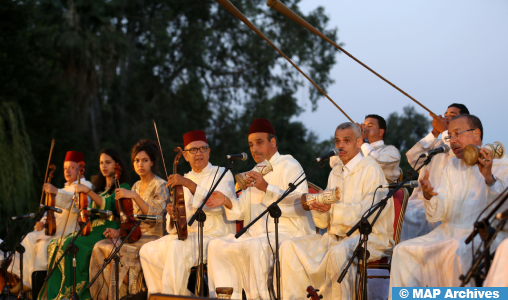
[{"x": 439, "y": 52}]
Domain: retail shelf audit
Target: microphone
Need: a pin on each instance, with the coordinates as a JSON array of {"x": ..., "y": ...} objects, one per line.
[
  {"x": 55, "y": 209},
  {"x": 333, "y": 152},
  {"x": 29, "y": 216},
  {"x": 100, "y": 211},
  {"x": 442, "y": 149},
  {"x": 242, "y": 156},
  {"x": 502, "y": 216},
  {"x": 157, "y": 219},
  {"x": 410, "y": 184}
]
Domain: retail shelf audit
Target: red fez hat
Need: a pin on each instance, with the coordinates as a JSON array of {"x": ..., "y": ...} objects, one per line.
[
  {"x": 261, "y": 125},
  {"x": 192, "y": 136},
  {"x": 74, "y": 156}
]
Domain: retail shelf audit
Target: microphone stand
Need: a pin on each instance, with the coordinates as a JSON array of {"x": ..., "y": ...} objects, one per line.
[
  {"x": 114, "y": 256},
  {"x": 74, "y": 250},
  {"x": 20, "y": 249},
  {"x": 366, "y": 228},
  {"x": 201, "y": 217},
  {"x": 488, "y": 234},
  {"x": 275, "y": 213}
]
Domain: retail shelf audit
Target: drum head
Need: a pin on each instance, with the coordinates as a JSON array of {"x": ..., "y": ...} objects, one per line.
[{"x": 471, "y": 154}]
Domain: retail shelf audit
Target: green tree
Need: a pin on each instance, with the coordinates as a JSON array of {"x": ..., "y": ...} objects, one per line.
[{"x": 404, "y": 131}]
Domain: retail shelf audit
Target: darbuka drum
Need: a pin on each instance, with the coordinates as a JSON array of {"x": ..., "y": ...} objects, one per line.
[
  {"x": 262, "y": 168},
  {"x": 224, "y": 292},
  {"x": 472, "y": 152},
  {"x": 327, "y": 196}
]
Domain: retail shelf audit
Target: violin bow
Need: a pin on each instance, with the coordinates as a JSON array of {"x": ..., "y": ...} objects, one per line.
[
  {"x": 283, "y": 9},
  {"x": 160, "y": 149},
  {"x": 233, "y": 10},
  {"x": 47, "y": 167}
]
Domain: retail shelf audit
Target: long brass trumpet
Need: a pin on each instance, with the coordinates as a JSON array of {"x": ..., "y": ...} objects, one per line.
[
  {"x": 233, "y": 10},
  {"x": 283, "y": 9}
]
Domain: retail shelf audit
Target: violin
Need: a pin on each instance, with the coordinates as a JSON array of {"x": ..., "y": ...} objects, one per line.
[
  {"x": 50, "y": 201},
  {"x": 313, "y": 294},
  {"x": 83, "y": 204},
  {"x": 177, "y": 198},
  {"x": 126, "y": 209}
]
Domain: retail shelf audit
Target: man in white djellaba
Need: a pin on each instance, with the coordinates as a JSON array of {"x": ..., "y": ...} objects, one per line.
[
  {"x": 166, "y": 262},
  {"x": 36, "y": 242},
  {"x": 440, "y": 257},
  {"x": 415, "y": 222},
  {"x": 319, "y": 260},
  {"x": 245, "y": 263}
]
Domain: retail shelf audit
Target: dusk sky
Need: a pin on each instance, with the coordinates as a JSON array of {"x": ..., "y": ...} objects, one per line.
[{"x": 439, "y": 52}]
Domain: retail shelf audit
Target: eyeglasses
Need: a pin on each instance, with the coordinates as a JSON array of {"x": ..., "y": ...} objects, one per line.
[
  {"x": 195, "y": 150},
  {"x": 454, "y": 135}
]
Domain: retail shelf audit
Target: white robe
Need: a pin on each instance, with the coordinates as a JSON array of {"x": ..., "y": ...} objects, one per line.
[
  {"x": 319, "y": 260},
  {"x": 440, "y": 257},
  {"x": 36, "y": 243},
  {"x": 498, "y": 273},
  {"x": 244, "y": 263},
  {"x": 415, "y": 221},
  {"x": 166, "y": 262}
]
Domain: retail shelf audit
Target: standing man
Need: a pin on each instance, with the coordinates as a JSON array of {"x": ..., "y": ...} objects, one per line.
[
  {"x": 166, "y": 262},
  {"x": 245, "y": 263},
  {"x": 438, "y": 259},
  {"x": 415, "y": 223},
  {"x": 319, "y": 260},
  {"x": 36, "y": 243}
]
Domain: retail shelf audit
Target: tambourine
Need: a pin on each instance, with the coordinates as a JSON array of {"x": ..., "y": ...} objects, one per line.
[
  {"x": 262, "y": 168},
  {"x": 327, "y": 196},
  {"x": 471, "y": 153}
]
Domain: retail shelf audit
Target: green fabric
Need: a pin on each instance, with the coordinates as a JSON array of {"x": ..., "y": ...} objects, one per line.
[{"x": 61, "y": 283}]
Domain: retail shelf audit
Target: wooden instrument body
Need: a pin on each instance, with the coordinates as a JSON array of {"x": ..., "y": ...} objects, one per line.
[
  {"x": 179, "y": 217},
  {"x": 125, "y": 208},
  {"x": 313, "y": 294},
  {"x": 50, "y": 201},
  {"x": 472, "y": 153},
  {"x": 83, "y": 204}
]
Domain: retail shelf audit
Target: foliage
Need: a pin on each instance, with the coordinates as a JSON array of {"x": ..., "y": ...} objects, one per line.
[{"x": 405, "y": 130}]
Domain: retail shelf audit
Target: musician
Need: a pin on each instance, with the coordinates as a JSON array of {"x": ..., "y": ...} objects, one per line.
[
  {"x": 319, "y": 260},
  {"x": 497, "y": 273},
  {"x": 167, "y": 261},
  {"x": 36, "y": 243},
  {"x": 245, "y": 263},
  {"x": 60, "y": 284},
  {"x": 415, "y": 223},
  {"x": 440, "y": 257},
  {"x": 149, "y": 196}
]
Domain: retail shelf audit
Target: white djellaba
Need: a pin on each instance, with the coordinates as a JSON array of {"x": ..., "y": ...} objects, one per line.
[
  {"x": 244, "y": 263},
  {"x": 440, "y": 257},
  {"x": 319, "y": 260}
]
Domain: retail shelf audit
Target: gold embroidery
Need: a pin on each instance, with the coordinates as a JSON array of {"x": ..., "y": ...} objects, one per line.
[
  {"x": 98, "y": 222},
  {"x": 68, "y": 290}
]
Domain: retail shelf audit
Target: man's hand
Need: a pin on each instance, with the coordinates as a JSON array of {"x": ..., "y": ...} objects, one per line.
[
  {"x": 169, "y": 208},
  {"x": 428, "y": 190},
  {"x": 111, "y": 233},
  {"x": 321, "y": 207},
  {"x": 439, "y": 125},
  {"x": 254, "y": 179},
  {"x": 81, "y": 188},
  {"x": 485, "y": 165},
  {"x": 365, "y": 131},
  {"x": 216, "y": 199},
  {"x": 39, "y": 226},
  {"x": 177, "y": 179},
  {"x": 49, "y": 188},
  {"x": 124, "y": 193}
]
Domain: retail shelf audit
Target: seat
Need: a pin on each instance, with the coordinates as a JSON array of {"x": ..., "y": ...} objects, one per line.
[{"x": 400, "y": 199}]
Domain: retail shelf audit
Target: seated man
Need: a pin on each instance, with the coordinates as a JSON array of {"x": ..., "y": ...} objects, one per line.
[
  {"x": 166, "y": 262},
  {"x": 415, "y": 223},
  {"x": 36, "y": 243},
  {"x": 440, "y": 257},
  {"x": 247, "y": 262},
  {"x": 319, "y": 260}
]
